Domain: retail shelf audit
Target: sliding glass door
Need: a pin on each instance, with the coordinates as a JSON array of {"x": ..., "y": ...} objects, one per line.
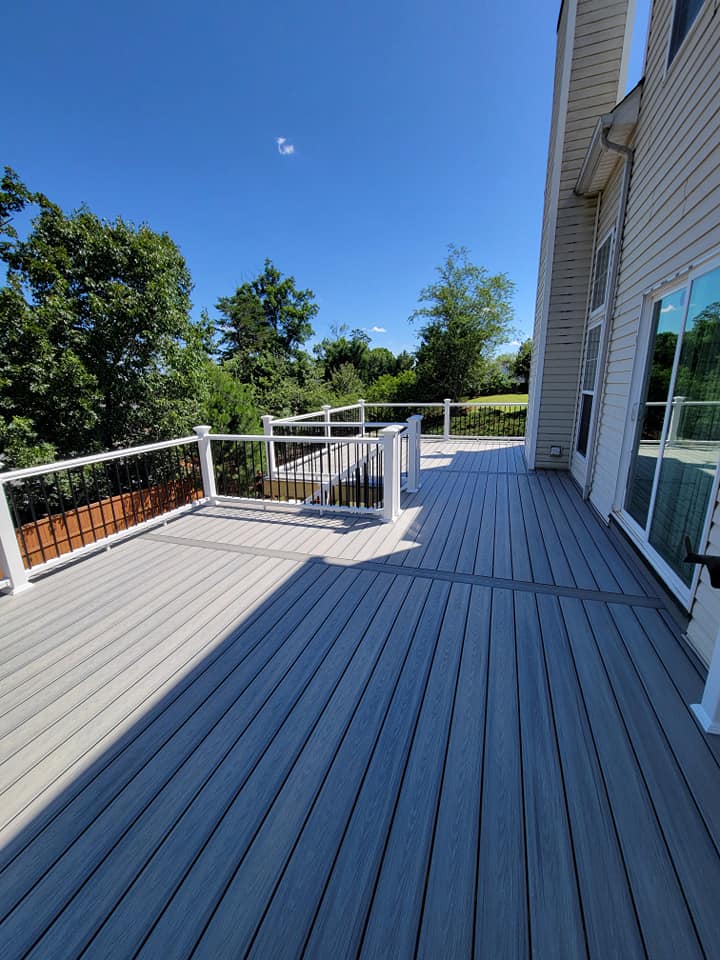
[{"x": 677, "y": 442}]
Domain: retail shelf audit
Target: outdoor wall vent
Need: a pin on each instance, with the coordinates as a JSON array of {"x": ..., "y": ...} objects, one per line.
[{"x": 555, "y": 451}]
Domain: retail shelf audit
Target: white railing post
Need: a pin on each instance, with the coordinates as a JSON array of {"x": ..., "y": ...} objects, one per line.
[
  {"x": 675, "y": 415},
  {"x": 11, "y": 561},
  {"x": 206, "y": 462},
  {"x": 708, "y": 710},
  {"x": 267, "y": 422},
  {"x": 326, "y": 416},
  {"x": 414, "y": 453},
  {"x": 446, "y": 426},
  {"x": 361, "y": 404},
  {"x": 391, "y": 472}
]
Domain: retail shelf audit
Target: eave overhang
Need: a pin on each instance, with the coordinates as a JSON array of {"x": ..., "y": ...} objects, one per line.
[{"x": 618, "y": 127}]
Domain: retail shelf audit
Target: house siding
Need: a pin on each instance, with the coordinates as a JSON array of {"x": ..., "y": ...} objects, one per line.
[
  {"x": 672, "y": 223},
  {"x": 596, "y": 68}
]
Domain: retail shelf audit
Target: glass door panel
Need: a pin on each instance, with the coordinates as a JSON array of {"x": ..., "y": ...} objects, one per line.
[
  {"x": 692, "y": 444},
  {"x": 652, "y": 412}
]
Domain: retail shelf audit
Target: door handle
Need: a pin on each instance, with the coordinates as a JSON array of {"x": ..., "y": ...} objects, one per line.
[{"x": 707, "y": 560}]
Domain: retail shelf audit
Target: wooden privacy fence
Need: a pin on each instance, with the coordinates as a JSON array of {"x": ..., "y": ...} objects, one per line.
[{"x": 61, "y": 533}]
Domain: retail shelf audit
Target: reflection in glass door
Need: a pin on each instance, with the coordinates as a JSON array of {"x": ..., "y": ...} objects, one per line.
[{"x": 678, "y": 438}]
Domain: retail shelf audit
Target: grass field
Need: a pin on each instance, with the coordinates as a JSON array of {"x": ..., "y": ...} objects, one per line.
[{"x": 502, "y": 398}]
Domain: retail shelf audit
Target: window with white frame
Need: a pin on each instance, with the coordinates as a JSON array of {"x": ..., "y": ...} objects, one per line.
[
  {"x": 587, "y": 387},
  {"x": 683, "y": 18},
  {"x": 598, "y": 292},
  {"x": 598, "y": 297}
]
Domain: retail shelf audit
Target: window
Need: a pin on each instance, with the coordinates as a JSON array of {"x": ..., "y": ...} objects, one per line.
[
  {"x": 677, "y": 440},
  {"x": 685, "y": 13},
  {"x": 587, "y": 394},
  {"x": 600, "y": 275}
]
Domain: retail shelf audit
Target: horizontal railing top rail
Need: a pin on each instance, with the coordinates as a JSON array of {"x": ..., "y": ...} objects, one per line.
[
  {"x": 682, "y": 402},
  {"x": 452, "y": 403},
  {"x": 441, "y": 419},
  {"x": 260, "y": 438},
  {"x": 60, "y": 465},
  {"x": 52, "y": 512},
  {"x": 299, "y": 416}
]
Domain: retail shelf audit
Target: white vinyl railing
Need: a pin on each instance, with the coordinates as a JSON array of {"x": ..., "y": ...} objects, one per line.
[
  {"x": 54, "y": 512},
  {"x": 445, "y": 419}
]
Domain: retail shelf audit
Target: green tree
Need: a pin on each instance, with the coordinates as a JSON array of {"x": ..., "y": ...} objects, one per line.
[
  {"x": 97, "y": 348},
  {"x": 345, "y": 346},
  {"x": 493, "y": 376},
  {"x": 228, "y": 404},
  {"x": 346, "y": 384},
  {"x": 468, "y": 314},
  {"x": 379, "y": 362},
  {"x": 521, "y": 366},
  {"x": 401, "y": 388},
  {"x": 266, "y": 314}
]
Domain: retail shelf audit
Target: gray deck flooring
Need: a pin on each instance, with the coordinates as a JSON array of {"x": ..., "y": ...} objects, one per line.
[{"x": 255, "y": 733}]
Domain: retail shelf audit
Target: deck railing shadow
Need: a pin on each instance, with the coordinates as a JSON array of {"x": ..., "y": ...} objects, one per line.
[{"x": 275, "y": 514}]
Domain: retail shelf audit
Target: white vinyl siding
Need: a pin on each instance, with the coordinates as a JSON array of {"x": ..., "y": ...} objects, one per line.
[{"x": 672, "y": 224}]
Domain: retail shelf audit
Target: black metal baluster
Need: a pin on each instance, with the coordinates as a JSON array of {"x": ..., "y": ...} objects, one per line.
[
  {"x": 73, "y": 500},
  {"x": 61, "y": 503},
  {"x": 131, "y": 491},
  {"x": 18, "y": 523},
  {"x": 86, "y": 494},
  {"x": 31, "y": 505},
  {"x": 43, "y": 490},
  {"x": 154, "y": 507},
  {"x": 141, "y": 490},
  {"x": 120, "y": 493}
]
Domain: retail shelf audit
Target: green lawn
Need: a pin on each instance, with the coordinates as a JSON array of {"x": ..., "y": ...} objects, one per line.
[{"x": 502, "y": 398}]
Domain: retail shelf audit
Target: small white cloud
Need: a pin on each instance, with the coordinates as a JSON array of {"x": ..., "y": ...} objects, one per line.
[
  {"x": 670, "y": 308},
  {"x": 285, "y": 148},
  {"x": 378, "y": 330},
  {"x": 515, "y": 343}
]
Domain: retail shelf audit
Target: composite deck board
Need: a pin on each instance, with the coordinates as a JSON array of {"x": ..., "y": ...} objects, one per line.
[
  {"x": 81, "y": 702},
  {"x": 693, "y": 853},
  {"x": 555, "y": 915},
  {"x": 94, "y": 648},
  {"x": 666, "y": 924},
  {"x": 447, "y": 925},
  {"x": 249, "y": 664},
  {"x": 299, "y": 890},
  {"x": 549, "y": 507},
  {"x": 256, "y": 732},
  {"x": 51, "y": 643},
  {"x": 690, "y": 751},
  {"x": 501, "y": 911},
  {"x": 181, "y": 819},
  {"x": 596, "y": 846},
  {"x": 541, "y": 569},
  {"x": 46, "y": 681}
]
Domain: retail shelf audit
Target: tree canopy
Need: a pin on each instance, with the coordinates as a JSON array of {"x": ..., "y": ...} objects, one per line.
[
  {"x": 97, "y": 346},
  {"x": 99, "y": 349},
  {"x": 468, "y": 314},
  {"x": 267, "y": 313}
]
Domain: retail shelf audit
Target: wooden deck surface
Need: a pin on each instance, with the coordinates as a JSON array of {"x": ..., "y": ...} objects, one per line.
[{"x": 254, "y": 733}]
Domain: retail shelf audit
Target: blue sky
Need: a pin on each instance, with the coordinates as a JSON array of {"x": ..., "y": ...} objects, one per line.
[{"x": 414, "y": 124}]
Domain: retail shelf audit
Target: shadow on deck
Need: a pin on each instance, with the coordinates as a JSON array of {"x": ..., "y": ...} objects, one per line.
[{"x": 255, "y": 733}]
